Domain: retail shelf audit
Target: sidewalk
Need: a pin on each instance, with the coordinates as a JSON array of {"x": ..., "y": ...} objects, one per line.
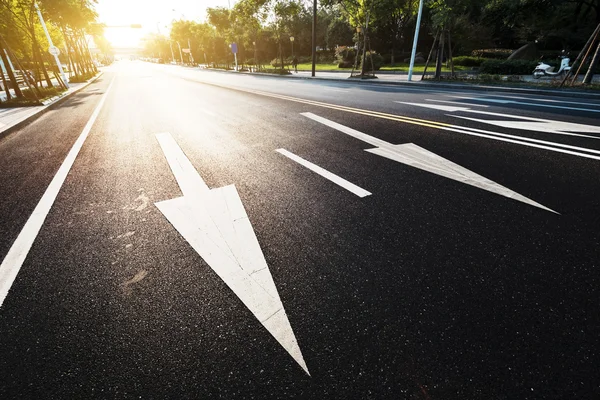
[
  {"x": 12, "y": 118},
  {"x": 401, "y": 78}
]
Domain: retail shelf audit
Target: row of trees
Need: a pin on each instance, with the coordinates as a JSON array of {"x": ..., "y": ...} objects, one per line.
[
  {"x": 262, "y": 28},
  {"x": 24, "y": 47}
]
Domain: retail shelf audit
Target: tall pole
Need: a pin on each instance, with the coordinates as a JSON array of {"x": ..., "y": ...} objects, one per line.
[
  {"x": 364, "y": 54},
  {"x": 172, "y": 54},
  {"x": 314, "y": 37},
  {"x": 52, "y": 49},
  {"x": 414, "y": 49},
  {"x": 180, "y": 53},
  {"x": 190, "y": 49}
]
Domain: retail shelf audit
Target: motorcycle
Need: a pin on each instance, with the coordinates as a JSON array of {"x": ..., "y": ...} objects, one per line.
[{"x": 544, "y": 69}]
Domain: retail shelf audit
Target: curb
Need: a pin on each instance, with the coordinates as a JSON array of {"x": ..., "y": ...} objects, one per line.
[
  {"x": 428, "y": 85},
  {"x": 4, "y": 132}
]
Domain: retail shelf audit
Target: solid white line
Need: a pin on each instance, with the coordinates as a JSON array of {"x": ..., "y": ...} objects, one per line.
[
  {"x": 549, "y": 101},
  {"x": 458, "y": 103},
  {"x": 210, "y": 113},
  {"x": 526, "y": 104},
  {"x": 15, "y": 257},
  {"x": 360, "y": 192}
]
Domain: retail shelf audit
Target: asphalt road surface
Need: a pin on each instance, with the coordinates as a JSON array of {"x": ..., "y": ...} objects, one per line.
[{"x": 177, "y": 233}]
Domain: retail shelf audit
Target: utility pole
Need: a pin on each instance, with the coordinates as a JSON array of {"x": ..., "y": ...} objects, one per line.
[
  {"x": 52, "y": 49},
  {"x": 190, "y": 53},
  {"x": 414, "y": 49},
  {"x": 180, "y": 52},
  {"x": 314, "y": 37}
]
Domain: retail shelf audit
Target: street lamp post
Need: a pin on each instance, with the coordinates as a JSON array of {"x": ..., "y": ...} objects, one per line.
[
  {"x": 414, "y": 49},
  {"x": 292, "y": 40},
  {"x": 52, "y": 49},
  {"x": 255, "y": 60},
  {"x": 172, "y": 54},
  {"x": 180, "y": 52}
]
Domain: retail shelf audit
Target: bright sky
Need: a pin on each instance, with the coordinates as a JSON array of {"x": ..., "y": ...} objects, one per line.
[{"x": 153, "y": 15}]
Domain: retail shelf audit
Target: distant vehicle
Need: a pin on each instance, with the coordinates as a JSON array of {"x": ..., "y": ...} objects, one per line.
[{"x": 160, "y": 61}]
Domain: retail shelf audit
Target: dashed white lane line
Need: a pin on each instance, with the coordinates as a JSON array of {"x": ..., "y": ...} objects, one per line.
[
  {"x": 351, "y": 187},
  {"x": 11, "y": 265}
]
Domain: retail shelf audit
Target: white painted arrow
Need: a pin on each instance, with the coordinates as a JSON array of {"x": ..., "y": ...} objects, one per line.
[
  {"x": 215, "y": 224},
  {"x": 522, "y": 123},
  {"x": 418, "y": 157}
]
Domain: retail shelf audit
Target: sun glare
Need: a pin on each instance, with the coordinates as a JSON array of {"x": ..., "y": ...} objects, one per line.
[{"x": 153, "y": 15}]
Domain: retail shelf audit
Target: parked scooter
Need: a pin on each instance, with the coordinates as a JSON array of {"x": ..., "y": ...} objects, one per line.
[{"x": 544, "y": 69}]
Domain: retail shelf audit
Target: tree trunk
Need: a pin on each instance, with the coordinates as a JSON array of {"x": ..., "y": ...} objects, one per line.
[
  {"x": 11, "y": 75},
  {"x": 590, "y": 73},
  {"x": 281, "y": 54},
  {"x": 440, "y": 57},
  {"x": 38, "y": 55}
]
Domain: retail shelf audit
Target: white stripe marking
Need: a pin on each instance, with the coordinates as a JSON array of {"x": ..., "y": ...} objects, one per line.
[
  {"x": 415, "y": 156},
  {"x": 457, "y": 103},
  {"x": 526, "y": 104},
  {"x": 15, "y": 257},
  {"x": 351, "y": 187},
  {"x": 209, "y": 113}
]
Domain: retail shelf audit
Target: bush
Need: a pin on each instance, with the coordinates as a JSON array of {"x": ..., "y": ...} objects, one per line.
[
  {"x": 377, "y": 61},
  {"x": 492, "y": 53},
  {"x": 345, "y": 54},
  {"x": 82, "y": 77},
  {"x": 468, "y": 61},
  {"x": 508, "y": 67},
  {"x": 345, "y": 64},
  {"x": 276, "y": 62}
]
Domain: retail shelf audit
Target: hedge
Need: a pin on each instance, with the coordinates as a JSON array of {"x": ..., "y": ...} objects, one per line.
[
  {"x": 468, "y": 61},
  {"x": 508, "y": 67}
]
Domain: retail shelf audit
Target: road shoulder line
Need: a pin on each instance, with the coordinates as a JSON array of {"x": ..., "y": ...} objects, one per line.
[{"x": 14, "y": 259}]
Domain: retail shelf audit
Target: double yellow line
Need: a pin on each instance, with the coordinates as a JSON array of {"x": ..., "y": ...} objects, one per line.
[{"x": 376, "y": 114}]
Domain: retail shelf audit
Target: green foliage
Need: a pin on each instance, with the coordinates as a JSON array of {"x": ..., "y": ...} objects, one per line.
[
  {"x": 501, "y": 54},
  {"x": 467, "y": 61},
  {"x": 508, "y": 67},
  {"x": 377, "y": 60},
  {"x": 82, "y": 77}
]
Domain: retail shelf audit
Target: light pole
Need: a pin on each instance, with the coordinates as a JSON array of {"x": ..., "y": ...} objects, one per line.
[
  {"x": 414, "y": 49},
  {"x": 292, "y": 40},
  {"x": 314, "y": 37},
  {"x": 52, "y": 49},
  {"x": 180, "y": 52},
  {"x": 255, "y": 60},
  {"x": 172, "y": 54}
]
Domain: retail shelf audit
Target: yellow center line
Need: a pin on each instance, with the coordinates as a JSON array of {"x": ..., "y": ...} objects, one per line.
[{"x": 377, "y": 114}]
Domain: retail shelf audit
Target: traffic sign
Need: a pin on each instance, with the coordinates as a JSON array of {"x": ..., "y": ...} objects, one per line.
[
  {"x": 234, "y": 48},
  {"x": 55, "y": 51}
]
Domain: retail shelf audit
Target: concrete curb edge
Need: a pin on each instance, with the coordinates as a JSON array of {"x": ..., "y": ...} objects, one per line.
[{"x": 11, "y": 128}]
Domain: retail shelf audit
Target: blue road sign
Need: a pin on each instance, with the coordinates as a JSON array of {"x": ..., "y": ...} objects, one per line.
[{"x": 234, "y": 48}]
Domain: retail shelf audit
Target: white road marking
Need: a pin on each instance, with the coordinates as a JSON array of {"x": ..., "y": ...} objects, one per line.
[
  {"x": 525, "y": 103},
  {"x": 415, "y": 156},
  {"x": 336, "y": 89},
  {"x": 550, "y": 100},
  {"x": 351, "y": 187},
  {"x": 209, "y": 113},
  {"x": 524, "y": 123},
  {"x": 458, "y": 103},
  {"x": 214, "y": 222},
  {"x": 11, "y": 265}
]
